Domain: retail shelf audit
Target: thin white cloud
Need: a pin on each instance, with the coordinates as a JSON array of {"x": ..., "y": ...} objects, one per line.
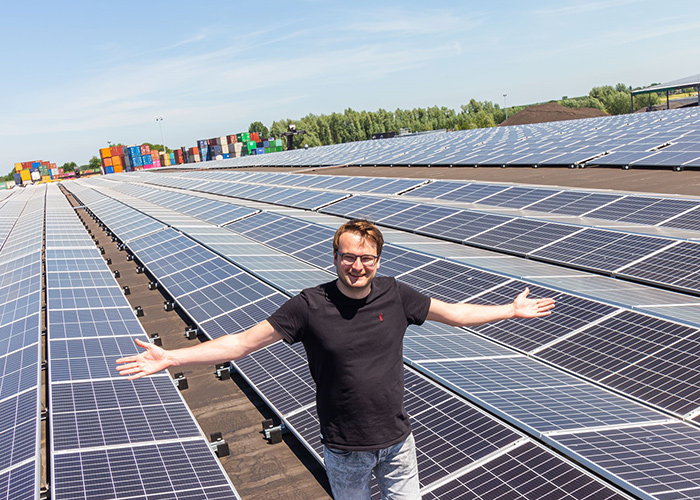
[
  {"x": 404, "y": 22},
  {"x": 585, "y": 7}
]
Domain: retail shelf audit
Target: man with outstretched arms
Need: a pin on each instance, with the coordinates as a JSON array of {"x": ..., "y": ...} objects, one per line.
[{"x": 352, "y": 329}]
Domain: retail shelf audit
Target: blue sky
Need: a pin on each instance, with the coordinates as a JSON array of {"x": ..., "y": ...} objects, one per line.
[{"x": 78, "y": 74}]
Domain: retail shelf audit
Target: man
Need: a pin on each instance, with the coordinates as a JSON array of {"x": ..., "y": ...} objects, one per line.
[{"x": 352, "y": 330}]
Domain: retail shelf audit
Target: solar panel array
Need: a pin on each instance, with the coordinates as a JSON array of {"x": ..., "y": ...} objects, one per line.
[
  {"x": 280, "y": 373},
  {"x": 667, "y": 139},
  {"x": 670, "y": 262},
  {"x": 534, "y": 396},
  {"x": 21, "y": 241},
  {"x": 111, "y": 437}
]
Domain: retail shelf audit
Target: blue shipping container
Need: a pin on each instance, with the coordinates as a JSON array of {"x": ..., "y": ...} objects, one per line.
[
  {"x": 259, "y": 151},
  {"x": 109, "y": 170},
  {"x": 147, "y": 160},
  {"x": 138, "y": 162}
]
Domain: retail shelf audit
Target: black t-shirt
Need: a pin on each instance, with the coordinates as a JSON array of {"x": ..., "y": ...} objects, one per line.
[{"x": 355, "y": 353}]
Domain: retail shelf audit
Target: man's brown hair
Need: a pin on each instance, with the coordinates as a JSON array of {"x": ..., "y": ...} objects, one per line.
[{"x": 364, "y": 228}]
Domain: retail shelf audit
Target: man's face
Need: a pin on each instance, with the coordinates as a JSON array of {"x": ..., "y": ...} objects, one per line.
[{"x": 355, "y": 280}]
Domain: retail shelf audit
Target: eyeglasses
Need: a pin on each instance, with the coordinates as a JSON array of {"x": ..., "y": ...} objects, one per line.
[{"x": 348, "y": 259}]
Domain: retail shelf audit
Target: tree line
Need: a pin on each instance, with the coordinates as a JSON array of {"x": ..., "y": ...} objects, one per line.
[{"x": 352, "y": 125}]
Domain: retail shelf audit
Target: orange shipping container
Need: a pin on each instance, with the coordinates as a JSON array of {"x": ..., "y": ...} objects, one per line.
[
  {"x": 106, "y": 153},
  {"x": 118, "y": 168},
  {"x": 117, "y": 160},
  {"x": 107, "y": 162}
]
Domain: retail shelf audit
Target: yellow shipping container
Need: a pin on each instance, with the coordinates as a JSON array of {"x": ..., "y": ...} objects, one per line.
[
  {"x": 45, "y": 178},
  {"x": 106, "y": 153},
  {"x": 25, "y": 175},
  {"x": 18, "y": 167}
]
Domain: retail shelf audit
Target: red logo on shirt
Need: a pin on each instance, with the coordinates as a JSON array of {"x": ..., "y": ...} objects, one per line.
[{"x": 380, "y": 318}]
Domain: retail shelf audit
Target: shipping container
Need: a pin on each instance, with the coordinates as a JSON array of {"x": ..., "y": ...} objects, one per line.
[
  {"x": 145, "y": 149},
  {"x": 117, "y": 150},
  {"x": 105, "y": 153},
  {"x": 118, "y": 169},
  {"x": 107, "y": 162}
]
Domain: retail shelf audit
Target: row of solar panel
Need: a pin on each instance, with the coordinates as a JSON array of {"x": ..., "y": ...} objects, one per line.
[
  {"x": 281, "y": 233},
  {"x": 110, "y": 437},
  {"x": 589, "y": 399},
  {"x": 282, "y": 390},
  {"x": 20, "y": 344},
  {"x": 645, "y": 210},
  {"x": 667, "y": 262},
  {"x": 665, "y": 138}
]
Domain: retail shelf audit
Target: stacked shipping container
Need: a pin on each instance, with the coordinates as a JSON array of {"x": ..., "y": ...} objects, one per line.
[
  {"x": 35, "y": 171},
  {"x": 128, "y": 158}
]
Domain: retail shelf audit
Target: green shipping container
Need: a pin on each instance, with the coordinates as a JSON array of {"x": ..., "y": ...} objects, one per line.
[{"x": 252, "y": 145}]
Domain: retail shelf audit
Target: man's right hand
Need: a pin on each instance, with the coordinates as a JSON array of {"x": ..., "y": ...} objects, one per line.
[{"x": 152, "y": 360}]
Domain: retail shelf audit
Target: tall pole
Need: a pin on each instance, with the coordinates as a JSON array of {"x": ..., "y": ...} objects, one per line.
[
  {"x": 505, "y": 104},
  {"x": 159, "y": 119}
]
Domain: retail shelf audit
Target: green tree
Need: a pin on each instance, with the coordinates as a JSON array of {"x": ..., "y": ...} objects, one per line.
[
  {"x": 70, "y": 166},
  {"x": 94, "y": 163},
  {"x": 260, "y": 129}
]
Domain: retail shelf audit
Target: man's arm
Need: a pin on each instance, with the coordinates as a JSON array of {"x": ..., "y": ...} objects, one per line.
[
  {"x": 226, "y": 348},
  {"x": 475, "y": 314}
]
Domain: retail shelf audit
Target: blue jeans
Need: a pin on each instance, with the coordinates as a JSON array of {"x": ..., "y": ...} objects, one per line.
[{"x": 396, "y": 468}]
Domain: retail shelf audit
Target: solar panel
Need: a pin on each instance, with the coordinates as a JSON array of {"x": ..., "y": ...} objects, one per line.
[
  {"x": 677, "y": 266},
  {"x": 184, "y": 469},
  {"x": 572, "y": 313},
  {"x": 535, "y": 397},
  {"x": 660, "y": 461},
  {"x": 463, "y": 225},
  {"x": 602, "y": 250},
  {"x": 451, "y": 282},
  {"x": 522, "y": 236},
  {"x": 528, "y": 471}
]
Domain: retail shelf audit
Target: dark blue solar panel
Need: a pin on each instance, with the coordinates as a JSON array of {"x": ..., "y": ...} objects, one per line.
[
  {"x": 92, "y": 322},
  {"x": 602, "y": 250},
  {"x": 522, "y": 236},
  {"x": 396, "y": 260},
  {"x": 19, "y": 483},
  {"x": 451, "y": 282},
  {"x": 353, "y": 207},
  {"x": 658, "y": 460},
  {"x": 417, "y": 216},
  {"x": 528, "y": 471},
  {"x": 473, "y": 193},
  {"x": 170, "y": 470},
  {"x": 527, "y": 334},
  {"x": 252, "y": 222},
  {"x": 463, "y": 225},
  {"x": 113, "y": 412},
  {"x": 677, "y": 266},
  {"x": 243, "y": 318}
]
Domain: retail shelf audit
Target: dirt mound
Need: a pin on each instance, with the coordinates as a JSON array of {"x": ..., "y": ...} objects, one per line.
[{"x": 551, "y": 112}]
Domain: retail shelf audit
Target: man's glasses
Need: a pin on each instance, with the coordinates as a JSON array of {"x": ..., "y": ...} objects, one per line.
[{"x": 348, "y": 259}]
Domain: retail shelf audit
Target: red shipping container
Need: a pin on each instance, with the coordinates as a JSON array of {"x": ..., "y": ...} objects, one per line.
[
  {"x": 145, "y": 149},
  {"x": 231, "y": 139},
  {"x": 255, "y": 137},
  {"x": 117, "y": 150}
]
